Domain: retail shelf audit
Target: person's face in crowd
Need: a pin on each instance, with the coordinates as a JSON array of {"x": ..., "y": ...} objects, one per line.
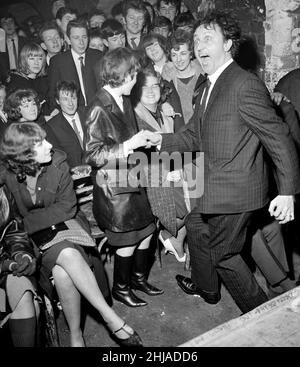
[
  {"x": 134, "y": 21},
  {"x": 9, "y": 25},
  {"x": 118, "y": 40},
  {"x": 167, "y": 10},
  {"x": 42, "y": 151},
  {"x": 129, "y": 83},
  {"x": 68, "y": 102},
  {"x": 52, "y": 41},
  {"x": 2, "y": 98},
  {"x": 150, "y": 92},
  {"x": 63, "y": 23},
  {"x": 211, "y": 49},
  {"x": 35, "y": 64},
  {"x": 57, "y": 5},
  {"x": 29, "y": 110},
  {"x": 96, "y": 21},
  {"x": 97, "y": 43},
  {"x": 79, "y": 40},
  {"x": 155, "y": 52},
  {"x": 181, "y": 58},
  {"x": 164, "y": 31}
]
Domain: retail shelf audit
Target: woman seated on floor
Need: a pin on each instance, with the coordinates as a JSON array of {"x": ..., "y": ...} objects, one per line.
[
  {"x": 41, "y": 184},
  {"x": 18, "y": 298}
]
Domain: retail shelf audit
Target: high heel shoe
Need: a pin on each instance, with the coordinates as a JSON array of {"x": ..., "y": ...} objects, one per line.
[
  {"x": 134, "y": 339},
  {"x": 170, "y": 248}
]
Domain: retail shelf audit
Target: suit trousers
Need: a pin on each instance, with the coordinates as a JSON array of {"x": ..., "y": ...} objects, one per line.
[{"x": 215, "y": 243}]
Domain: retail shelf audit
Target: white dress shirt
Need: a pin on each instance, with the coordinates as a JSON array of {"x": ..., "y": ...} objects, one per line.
[
  {"x": 10, "y": 50},
  {"x": 214, "y": 77},
  {"x": 77, "y": 122}
]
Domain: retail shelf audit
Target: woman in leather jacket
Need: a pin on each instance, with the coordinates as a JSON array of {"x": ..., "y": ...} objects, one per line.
[
  {"x": 17, "y": 285},
  {"x": 121, "y": 209},
  {"x": 42, "y": 186}
]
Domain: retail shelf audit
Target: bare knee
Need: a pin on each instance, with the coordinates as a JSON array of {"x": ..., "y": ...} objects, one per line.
[{"x": 68, "y": 255}]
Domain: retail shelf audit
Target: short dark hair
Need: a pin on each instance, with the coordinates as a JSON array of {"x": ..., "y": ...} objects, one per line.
[
  {"x": 152, "y": 37},
  {"x": 161, "y": 21},
  {"x": 111, "y": 27},
  {"x": 7, "y": 15},
  {"x": 178, "y": 38},
  {"x": 176, "y": 3},
  {"x": 47, "y": 26},
  {"x": 116, "y": 65},
  {"x": 183, "y": 20},
  {"x": 117, "y": 9},
  {"x": 228, "y": 25},
  {"x": 134, "y": 4},
  {"x": 66, "y": 86},
  {"x": 61, "y": 12},
  {"x": 96, "y": 12},
  {"x": 76, "y": 24},
  {"x": 17, "y": 148},
  {"x": 14, "y": 100}
]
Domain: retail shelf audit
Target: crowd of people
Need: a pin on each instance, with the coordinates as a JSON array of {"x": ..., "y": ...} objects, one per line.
[{"x": 150, "y": 78}]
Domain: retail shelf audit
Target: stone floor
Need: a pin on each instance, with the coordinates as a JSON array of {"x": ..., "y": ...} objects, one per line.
[{"x": 169, "y": 320}]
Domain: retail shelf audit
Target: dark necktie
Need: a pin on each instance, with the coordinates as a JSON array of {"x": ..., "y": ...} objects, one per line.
[
  {"x": 133, "y": 43},
  {"x": 75, "y": 128},
  {"x": 15, "y": 51},
  {"x": 83, "y": 73},
  {"x": 204, "y": 100}
]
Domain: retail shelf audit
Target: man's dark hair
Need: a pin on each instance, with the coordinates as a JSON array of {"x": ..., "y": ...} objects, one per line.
[
  {"x": 161, "y": 21},
  {"x": 68, "y": 86},
  {"x": 7, "y": 15},
  {"x": 228, "y": 25},
  {"x": 47, "y": 26},
  {"x": 176, "y": 3},
  {"x": 178, "y": 38},
  {"x": 117, "y": 9},
  {"x": 134, "y": 4},
  {"x": 76, "y": 24},
  {"x": 185, "y": 19},
  {"x": 63, "y": 11},
  {"x": 111, "y": 27}
]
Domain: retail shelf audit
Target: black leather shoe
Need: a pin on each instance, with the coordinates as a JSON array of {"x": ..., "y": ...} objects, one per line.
[
  {"x": 189, "y": 287},
  {"x": 127, "y": 297},
  {"x": 143, "y": 286}
]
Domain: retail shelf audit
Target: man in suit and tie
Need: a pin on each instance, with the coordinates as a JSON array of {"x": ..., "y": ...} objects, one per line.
[
  {"x": 67, "y": 129},
  {"x": 235, "y": 125},
  {"x": 134, "y": 13},
  {"x": 76, "y": 64},
  {"x": 14, "y": 44}
]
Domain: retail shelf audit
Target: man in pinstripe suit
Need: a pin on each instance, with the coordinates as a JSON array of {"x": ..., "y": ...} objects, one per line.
[{"x": 235, "y": 125}]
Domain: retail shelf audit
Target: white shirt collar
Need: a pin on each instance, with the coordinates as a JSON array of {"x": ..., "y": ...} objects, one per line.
[
  {"x": 76, "y": 56},
  {"x": 70, "y": 118},
  {"x": 213, "y": 77}
]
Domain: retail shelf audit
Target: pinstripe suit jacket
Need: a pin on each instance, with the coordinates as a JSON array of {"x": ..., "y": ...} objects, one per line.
[{"x": 239, "y": 126}]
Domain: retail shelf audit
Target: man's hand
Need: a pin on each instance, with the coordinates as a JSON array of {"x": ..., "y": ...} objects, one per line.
[
  {"x": 144, "y": 138},
  {"x": 278, "y": 97},
  {"x": 282, "y": 208},
  {"x": 25, "y": 265}
]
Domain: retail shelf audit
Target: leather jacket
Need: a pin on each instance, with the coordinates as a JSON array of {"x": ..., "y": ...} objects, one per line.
[
  {"x": 13, "y": 238},
  {"x": 118, "y": 206}
]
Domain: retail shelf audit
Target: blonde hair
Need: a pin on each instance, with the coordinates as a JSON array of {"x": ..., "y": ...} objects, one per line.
[{"x": 29, "y": 50}]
